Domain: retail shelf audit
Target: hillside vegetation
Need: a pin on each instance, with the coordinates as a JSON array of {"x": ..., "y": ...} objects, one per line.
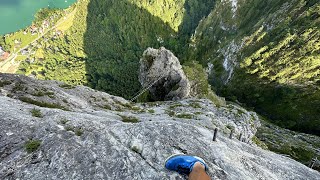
[
  {"x": 269, "y": 59},
  {"x": 106, "y": 38},
  {"x": 262, "y": 53}
]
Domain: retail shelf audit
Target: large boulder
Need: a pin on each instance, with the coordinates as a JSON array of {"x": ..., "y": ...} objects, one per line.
[{"x": 160, "y": 70}]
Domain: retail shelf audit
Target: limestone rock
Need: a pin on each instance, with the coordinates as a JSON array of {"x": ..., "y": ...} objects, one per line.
[
  {"x": 86, "y": 140},
  {"x": 162, "y": 67}
]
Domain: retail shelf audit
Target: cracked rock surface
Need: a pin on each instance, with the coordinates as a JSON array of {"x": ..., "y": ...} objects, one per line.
[{"x": 95, "y": 138}]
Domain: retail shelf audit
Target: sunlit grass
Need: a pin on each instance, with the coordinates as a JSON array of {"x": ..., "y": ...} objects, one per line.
[{"x": 65, "y": 24}]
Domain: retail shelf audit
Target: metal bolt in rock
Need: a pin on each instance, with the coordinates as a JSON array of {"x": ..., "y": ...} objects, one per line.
[
  {"x": 231, "y": 134},
  {"x": 215, "y": 134}
]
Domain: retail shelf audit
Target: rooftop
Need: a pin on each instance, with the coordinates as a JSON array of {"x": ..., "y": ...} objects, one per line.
[{"x": 4, "y": 55}]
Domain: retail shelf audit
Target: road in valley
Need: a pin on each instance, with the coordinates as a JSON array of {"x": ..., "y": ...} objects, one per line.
[{"x": 9, "y": 65}]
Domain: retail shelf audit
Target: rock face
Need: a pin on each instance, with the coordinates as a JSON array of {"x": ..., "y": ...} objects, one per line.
[
  {"x": 93, "y": 135},
  {"x": 161, "y": 67}
]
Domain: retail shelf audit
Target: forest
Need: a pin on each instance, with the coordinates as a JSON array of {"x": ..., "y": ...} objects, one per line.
[
  {"x": 275, "y": 53},
  {"x": 264, "y": 54}
]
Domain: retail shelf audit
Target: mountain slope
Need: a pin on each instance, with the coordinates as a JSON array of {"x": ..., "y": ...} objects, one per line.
[
  {"x": 99, "y": 136},
  {"x": 261, "y": 53},
  {"x": 266, "y": 54},
  {"x": 107, "y": 38}
]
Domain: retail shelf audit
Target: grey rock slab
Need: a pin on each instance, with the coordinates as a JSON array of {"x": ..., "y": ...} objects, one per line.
[{"x": 88, "y": 142}]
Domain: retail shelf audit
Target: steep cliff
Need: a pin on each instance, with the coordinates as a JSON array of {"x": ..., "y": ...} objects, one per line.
[
  {"x": 261, "y": 53},
  {"x": 265, "y": 54},
  {"x": 50, "y": 130}
]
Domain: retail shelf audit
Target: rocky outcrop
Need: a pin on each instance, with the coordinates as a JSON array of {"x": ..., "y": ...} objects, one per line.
[
  {"x": 99, "y": 136},
  {"x": 161, "y": 71}
]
